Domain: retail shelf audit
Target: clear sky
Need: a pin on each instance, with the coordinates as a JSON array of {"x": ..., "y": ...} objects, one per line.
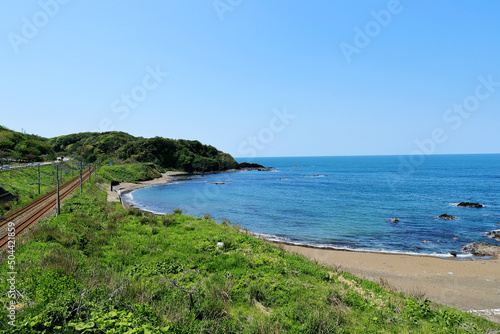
[{"x": 260, "y": 77}]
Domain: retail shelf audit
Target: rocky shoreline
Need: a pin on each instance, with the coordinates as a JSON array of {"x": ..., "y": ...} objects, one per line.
[
  {"x": 482, "y": 249},
  {"x": 493, "y": 235}
]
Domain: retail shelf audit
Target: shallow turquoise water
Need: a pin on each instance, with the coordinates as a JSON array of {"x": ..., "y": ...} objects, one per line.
[{"x": 347, "y": 202}]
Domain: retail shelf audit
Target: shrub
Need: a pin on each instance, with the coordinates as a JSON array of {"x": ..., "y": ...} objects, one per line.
[{"x": 167, "y": 220}]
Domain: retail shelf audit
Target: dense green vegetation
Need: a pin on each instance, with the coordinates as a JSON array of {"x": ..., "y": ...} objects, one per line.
[
  {"x": 23, "y": 183},
  {"x": 187, "y": 155},
  {"x": 23, "y": 147},
  {"x": 130, "y": 172},
  {"x": 98, "y": 268}
]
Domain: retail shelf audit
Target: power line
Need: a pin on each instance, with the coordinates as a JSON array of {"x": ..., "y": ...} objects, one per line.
[{"x": 39, "y": 178}]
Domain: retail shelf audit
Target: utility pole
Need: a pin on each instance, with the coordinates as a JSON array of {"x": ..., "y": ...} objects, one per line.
[
  {"x": 81, "y": 178},
  {"x": 39, "y": 179},
  {"x": 58, "y": 203}
]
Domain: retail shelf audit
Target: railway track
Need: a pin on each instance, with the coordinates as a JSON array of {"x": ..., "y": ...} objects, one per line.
[
  {"x": 36, "y": 202},
  {"x": 29, "y": 215}
]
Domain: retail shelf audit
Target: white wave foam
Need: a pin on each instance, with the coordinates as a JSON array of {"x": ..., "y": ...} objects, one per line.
[
  {"x": 286, "y": 240},
  {"x": 128, "y": 197},
  {"x": 153, "y": 212},
  {"x": 485, "y": 312}
]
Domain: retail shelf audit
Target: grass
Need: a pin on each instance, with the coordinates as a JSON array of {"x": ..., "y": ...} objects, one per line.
[
  {"x": 130, "y": 172},
  {"x": 24, "y": 183},
  {"x": 100, "y": 268}
]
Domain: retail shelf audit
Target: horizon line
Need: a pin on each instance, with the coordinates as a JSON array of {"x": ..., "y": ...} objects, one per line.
[{"x": 360, "y": 155}]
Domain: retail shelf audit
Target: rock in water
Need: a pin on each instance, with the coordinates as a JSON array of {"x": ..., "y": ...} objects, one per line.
[
  {"x": 470, "y": 205},
  {"x": 394, "y": 220},
  {"x": 247, "y": 165},
  {"x": 482, "y": 249},
  {"x": 447, "y": 217},
  {"x": 494, "y": 234}
]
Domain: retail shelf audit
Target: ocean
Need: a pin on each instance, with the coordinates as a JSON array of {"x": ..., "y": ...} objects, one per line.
[{"x": 347, "y": 202}]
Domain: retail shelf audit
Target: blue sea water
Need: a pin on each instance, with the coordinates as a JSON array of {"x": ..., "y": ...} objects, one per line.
[{"x": 347, "y": 202}]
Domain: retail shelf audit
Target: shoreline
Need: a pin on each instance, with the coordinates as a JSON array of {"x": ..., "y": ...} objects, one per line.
[
  {"x": 118, "y": 191},
  {"x": 469, "y": 284},
  {"x": 441, "y": 256},
  {"x": 115, "y": 195}
]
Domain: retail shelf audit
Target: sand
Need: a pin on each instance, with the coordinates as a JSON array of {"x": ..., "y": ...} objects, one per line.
[
  {"x": 123, "y": 188},
  {"x": 464, "y": 284}
]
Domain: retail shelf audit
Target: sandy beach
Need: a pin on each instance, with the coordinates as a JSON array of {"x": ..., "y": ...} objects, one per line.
[
  {"x": 464, "y": 284},
  {"x": 122, "y": 188}
]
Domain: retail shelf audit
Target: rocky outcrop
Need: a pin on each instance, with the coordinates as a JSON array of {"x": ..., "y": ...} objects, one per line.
[
  {"x": 252, "y": 166},
  {"x": 470, "y": 205},
  {"x": 494, "y": 235},
  {"x": 447, "y": 217},
  {"x": 482, "y": 249},
  {"x": 248, "y": 165}
]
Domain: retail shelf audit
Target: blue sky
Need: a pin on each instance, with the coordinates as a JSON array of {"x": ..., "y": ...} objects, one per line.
[{"x": 264, "y": 78}]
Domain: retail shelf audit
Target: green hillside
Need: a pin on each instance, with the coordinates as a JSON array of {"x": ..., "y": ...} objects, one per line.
[
  {"x": 187, "y": 155},
  {"x": 23, "y": 147},
  {"x": 130, "y": 172}
]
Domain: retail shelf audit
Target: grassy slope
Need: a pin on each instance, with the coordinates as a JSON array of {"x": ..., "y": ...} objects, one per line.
[
  {"x": 98, "y": 267},
  {"x": 130, "y": 172},
  {"x": 25, "y": 182}
]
